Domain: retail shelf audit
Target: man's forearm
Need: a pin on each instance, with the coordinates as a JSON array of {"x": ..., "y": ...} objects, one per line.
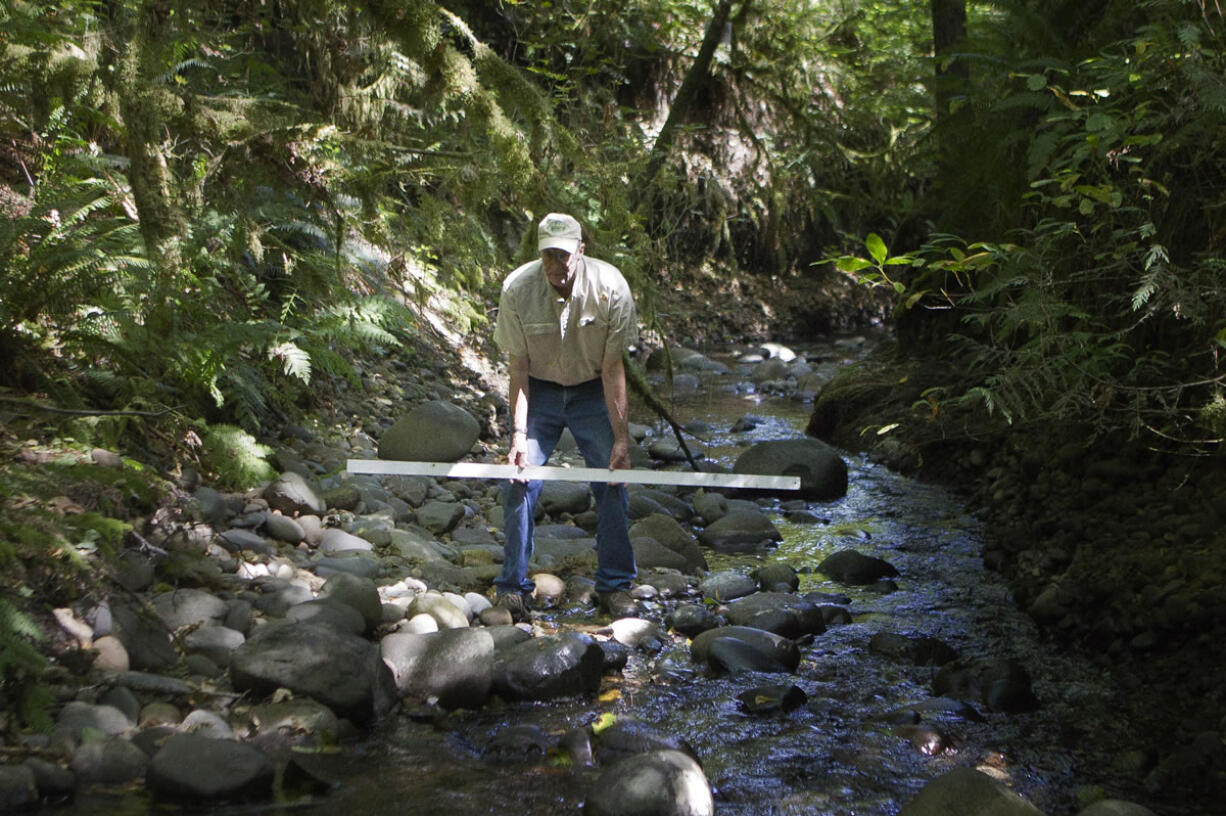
[
  {"x": 517, "y": 396},
  {"x": 613, "y": 377}
]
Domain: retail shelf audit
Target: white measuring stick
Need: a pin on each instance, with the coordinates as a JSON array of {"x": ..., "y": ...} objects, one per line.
[{"x": 477, "y": 470}]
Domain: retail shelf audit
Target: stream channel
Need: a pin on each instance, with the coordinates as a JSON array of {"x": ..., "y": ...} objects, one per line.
[{"x": 841, "y": 752}]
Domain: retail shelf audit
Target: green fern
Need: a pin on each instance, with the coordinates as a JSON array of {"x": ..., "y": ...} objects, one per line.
[{"x": 237, "y": 458}]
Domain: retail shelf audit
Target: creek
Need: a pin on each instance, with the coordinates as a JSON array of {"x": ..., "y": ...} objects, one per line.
[{"x": 841, "y": 752}]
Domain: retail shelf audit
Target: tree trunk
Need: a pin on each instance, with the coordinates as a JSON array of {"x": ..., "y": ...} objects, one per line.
[
  {"x": 140, "y": 105},
  {"x": 687, "y": 94},
  {"x": 948, "y": 31}
]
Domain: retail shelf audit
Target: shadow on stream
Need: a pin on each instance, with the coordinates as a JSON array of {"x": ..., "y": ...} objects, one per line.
[{"x": 853, "y": 748}]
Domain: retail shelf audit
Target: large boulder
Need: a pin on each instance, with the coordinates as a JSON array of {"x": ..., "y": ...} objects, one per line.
[
  {"x": 967, "y": 792},
  {"x": 340, "y": 670},
  {"x": 191, "y": 767},
  {"x": 546, "y": 668},
  {"x": 454, "y": 666},
  {"x": 657, "y": 783},
  {"x": 822, "y": 472},
  {"x": 432, "y": 432}
]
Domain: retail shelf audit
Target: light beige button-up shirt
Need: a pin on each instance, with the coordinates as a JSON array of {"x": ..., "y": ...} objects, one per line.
[{"x": 565, "y": 339}]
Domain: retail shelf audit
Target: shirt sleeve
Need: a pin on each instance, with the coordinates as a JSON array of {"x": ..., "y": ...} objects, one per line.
[
  {"x": 509, "y": 329},
  {"x": 623, "y": 322}
]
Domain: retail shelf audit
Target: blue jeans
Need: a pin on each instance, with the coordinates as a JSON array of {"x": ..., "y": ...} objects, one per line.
[{"x": 582, "y": 408}]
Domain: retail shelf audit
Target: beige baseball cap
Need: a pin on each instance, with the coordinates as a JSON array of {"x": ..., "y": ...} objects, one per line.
[{"x": 559, "y": 231}]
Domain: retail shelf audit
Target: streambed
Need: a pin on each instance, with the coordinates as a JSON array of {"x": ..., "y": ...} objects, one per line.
[{"x": 844, "y": 751}]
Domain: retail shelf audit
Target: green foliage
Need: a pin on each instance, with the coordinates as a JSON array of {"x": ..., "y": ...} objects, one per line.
[
  {"x": 237, "y": 459},
  {"x": 21, "y": 664}
]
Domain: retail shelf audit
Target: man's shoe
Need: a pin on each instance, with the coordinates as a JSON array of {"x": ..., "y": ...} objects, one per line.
[
  {"x": 515, "y": 604},
  {"x": 619, "y": 604}
]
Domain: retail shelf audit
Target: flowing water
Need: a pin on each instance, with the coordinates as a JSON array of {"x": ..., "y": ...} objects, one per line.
[{"x": 837, "y": 754}]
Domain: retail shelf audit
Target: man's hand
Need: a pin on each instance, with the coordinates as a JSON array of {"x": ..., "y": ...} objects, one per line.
[
  {"x": 518, "y": 455},
  {"x": 619, "y": 458}
]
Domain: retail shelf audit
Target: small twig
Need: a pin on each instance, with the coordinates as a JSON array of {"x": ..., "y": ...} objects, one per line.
[{"x": 54, "y": 409}]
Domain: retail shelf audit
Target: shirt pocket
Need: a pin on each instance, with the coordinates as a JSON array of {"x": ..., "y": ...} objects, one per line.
[{"x": 542, "y": 341}]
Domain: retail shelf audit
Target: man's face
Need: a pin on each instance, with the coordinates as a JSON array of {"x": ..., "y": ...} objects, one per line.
[{"x": 559, "y": 267}]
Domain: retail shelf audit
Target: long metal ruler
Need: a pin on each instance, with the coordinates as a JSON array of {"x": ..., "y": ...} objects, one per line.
[{"x": 476, "y": 470}]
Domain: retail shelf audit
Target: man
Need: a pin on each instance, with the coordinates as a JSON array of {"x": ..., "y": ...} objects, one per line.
[{"x": 564, "y": 322}]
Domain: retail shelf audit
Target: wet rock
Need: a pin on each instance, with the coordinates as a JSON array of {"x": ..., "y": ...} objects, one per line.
[
  {"x": 454, "y": 666},
  {"x": 740, "y": 532},
  {"x": 662, "y": 783},
  {"x": 432, "y": 432},
  {"x": 727, "y": 585},
  {"x": 18, "y": 788},
  {"x": 638, "y": 634},
  {"x": 292, "y": 495},
  {"x": 777, "y": 578},
  {"x": 919, "y": 651},
  {"x": 822, "y": 472},
  {"x": 190, "y": 767},
  {"x": 855, "y": 568},
  {"x": 666, "y": 530},
  {"x": 551, "y": 667},
  {"x": 741, "y": 648},
  {"x": 565, "y": 497},
  {"x": 782, "y": 697},
  {"x": 1001, "y": 685},
  {"x": 616, "y": 656},
  {"x": 965, "y": 790},
  {"x": 668, "y": 449},
  {"x": 518, "y": 744},
  {"x": 109, "y": 761},
  {"x": 692, "y": 619},
  {"x": 342, "y": 671},
  {"x": 778, "y": 612}
]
